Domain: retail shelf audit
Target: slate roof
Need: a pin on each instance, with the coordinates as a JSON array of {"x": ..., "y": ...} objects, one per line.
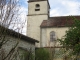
[
  {"x": 12, "y": 33},
  {"x": 61, "y": 21}
]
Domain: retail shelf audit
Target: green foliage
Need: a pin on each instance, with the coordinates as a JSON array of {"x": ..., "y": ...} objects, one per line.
[
  {"x": 71, "y": 40},
  {"x": 25, "y": 54},
  {"x": 42, "y": 54}
]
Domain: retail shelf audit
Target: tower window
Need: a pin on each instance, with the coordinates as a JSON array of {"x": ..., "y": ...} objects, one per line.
[
  {"x": 52, "y": 36},
  {"x": 37, "y": 7}
]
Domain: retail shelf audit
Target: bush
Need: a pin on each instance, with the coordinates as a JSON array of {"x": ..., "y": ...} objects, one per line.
[{"x": 42, "y": 54}]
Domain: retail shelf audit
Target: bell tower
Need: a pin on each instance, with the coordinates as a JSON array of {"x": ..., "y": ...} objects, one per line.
[{"x": 38, "y": 10}]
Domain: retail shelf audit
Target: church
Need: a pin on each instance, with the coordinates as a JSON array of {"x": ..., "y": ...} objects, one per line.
[{"x": 42, "y": 27}]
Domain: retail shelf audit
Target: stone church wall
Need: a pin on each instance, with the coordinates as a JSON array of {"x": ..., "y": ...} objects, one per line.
[
  {"x": 35, "y": 18},
  {"x": 43, "y": 8},
  {"x": 59, "y": 33},
  {"x": 33, "y": 27}
]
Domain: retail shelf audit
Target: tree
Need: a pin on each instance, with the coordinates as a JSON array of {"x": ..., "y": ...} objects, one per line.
[
  {"x": 71, "y": 40},
  {"x": 9, "y": 18}
]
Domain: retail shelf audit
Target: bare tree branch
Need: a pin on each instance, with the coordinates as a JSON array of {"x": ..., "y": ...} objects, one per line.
[{"x": 9, "y": 18}]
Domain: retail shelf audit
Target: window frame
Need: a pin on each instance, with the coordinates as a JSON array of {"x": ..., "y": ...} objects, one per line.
[
  {"x": 52, "y": 36},
  {"x": 37, "y": 7}
]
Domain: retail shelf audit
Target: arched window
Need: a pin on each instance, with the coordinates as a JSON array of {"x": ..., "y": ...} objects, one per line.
[
  {"x": 52, "y": 36},
  {"x": 37, "y": 7}
]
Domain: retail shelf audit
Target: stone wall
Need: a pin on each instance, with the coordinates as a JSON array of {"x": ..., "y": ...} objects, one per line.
[
  {"x": 12, "y": 41},
  {"x": 45, "y": 35},
  {"x": 35, "y": 18}
]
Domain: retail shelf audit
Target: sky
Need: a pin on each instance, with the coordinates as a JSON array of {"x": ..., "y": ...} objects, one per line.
[
  {"x": 64, "y": 7},
  {"x": 58, "y": 8}
]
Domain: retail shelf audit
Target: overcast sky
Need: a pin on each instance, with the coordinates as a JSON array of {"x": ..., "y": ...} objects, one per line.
[{"x": 58, "y": 8}]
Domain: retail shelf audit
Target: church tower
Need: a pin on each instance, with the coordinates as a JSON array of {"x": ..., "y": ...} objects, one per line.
[{"x": 38, "y": 10}]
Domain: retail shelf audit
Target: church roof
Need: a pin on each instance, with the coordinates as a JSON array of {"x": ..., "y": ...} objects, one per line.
[{"x": 61, "y": 21}]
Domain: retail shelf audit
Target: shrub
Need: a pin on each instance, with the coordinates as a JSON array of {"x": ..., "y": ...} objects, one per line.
[{"x": 42, "y": 54}]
